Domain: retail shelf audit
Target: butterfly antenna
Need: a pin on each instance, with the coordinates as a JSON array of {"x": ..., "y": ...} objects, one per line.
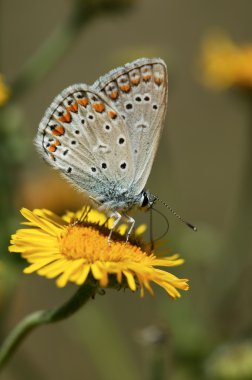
[
  {"x": 151, "y": 230},
  {"x": 194, "y": 228},
  {"x": 167, "y": 223}
]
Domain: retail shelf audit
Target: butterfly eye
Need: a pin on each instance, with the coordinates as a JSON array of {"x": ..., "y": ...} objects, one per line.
[{"x": 145, "y": 199}]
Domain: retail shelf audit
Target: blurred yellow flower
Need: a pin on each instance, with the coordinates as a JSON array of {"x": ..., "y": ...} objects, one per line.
[
  {"x": 4, "y": 91},
  {"x": 56, "y": 193},
  {"x": 224, "y": 63},
  {"x": 79, "y": 252}
]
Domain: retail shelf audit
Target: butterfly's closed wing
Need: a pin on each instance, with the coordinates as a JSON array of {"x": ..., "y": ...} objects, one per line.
[
  {"x": 138, "y": 91},
  {"x": 84, "y": 136}
]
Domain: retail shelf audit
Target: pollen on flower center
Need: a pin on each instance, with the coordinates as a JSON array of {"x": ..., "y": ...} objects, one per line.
[{"x": 78, "y": 241}]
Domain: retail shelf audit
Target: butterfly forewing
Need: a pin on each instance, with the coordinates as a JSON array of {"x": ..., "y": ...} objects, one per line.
[
  {"x": 139, "y": 93},
  {"x": 84, "y": 136}
]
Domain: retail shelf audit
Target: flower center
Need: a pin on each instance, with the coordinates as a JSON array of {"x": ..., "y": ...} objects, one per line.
[{"x": 79, "y": 241}]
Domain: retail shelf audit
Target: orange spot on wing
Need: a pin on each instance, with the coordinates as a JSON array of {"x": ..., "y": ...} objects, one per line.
[
  {"x": 73, "y": 107},
  {"x": 135, "y": 81},
  {"x": 158, "y": 79},
  {"x": 112, "y": 114},
  {"x": 99, "y": 107},
  {"x": 52, "y": 148},
  {"x": 114, "y": 95},
  {"x": 125, "y": 87},
  {"x": 58, "y": 130},
  {"x": 57, "y": 143},
  {"x": 65, "y": 118},
  {"x": 83, "y": 102},
  {"x": 146, "y": 77}
]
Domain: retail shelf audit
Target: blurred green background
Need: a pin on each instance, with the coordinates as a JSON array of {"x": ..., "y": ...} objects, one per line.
[{"x": 202, "y": 170}]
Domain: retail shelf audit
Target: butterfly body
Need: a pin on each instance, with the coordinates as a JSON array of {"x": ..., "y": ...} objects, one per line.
[{"x": 103, "y": 138}]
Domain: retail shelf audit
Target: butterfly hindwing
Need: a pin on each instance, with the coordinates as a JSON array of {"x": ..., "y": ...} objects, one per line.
[
  {"x": 138, "y": 91},
  {"x": 84, "y": 136}
]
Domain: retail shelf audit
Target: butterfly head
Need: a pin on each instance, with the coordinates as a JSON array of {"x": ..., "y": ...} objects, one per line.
[{"x": 147, "y": 199}]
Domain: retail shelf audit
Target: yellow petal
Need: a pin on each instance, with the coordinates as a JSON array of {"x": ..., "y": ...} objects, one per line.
[
  {"x": 130, "y": 280},
  {"x": 72, "y": 266},
  {"x": 83, "y": 275}
]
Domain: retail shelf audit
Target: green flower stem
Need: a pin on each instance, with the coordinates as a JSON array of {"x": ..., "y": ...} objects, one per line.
[
  {"x": 43, "y": 317},
  {"x": 157, "y": 365}
]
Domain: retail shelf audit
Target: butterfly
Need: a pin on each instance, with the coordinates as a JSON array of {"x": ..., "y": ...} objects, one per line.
[{"x": 103, "y": 138}]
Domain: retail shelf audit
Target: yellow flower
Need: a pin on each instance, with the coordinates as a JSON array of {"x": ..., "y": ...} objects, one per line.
[
  {"x": 79, "y": 252},
  {"x": 225, "y": 63},
  {"x": 4, "y": 92}
]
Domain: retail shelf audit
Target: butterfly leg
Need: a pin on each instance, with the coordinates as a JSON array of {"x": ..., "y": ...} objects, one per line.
[
  {"x": 112, "y": 214},
  {"x": 132, "y": 222},
  {"x": 117, "y": 217}
]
